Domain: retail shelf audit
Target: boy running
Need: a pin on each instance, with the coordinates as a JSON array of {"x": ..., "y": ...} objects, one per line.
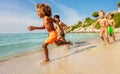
[{"x": 111, "y": 25}]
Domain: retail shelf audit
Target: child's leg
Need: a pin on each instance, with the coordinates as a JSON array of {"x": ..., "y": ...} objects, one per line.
[
  {"x": 58, "y": 43},
  {"x": 63, "y": 39},
  {"x": 110, "y": 35},
  {"x": 114, "y": 37},
  {"x": 69, "y": 42},
  {"x": 59, "y": 38},
  {"x": 101, "y": 36},
  {"x": 106, "y": 35},
  {"x": 46, "y": 59}
]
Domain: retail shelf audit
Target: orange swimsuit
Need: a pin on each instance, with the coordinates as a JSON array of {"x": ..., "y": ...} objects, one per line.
[{"x": 52, "y": 37}]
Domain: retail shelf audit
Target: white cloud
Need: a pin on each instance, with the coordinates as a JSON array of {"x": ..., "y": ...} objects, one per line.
[
  {"x": 17, "y": 23},
  {"x": 71, "y": 16},
  {"x": 16, "y": 18}
]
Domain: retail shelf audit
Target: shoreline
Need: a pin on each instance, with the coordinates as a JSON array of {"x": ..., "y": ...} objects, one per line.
[
  {"x": 88, "y": 32},
  {"x": 32, "y": 51},
  {"x": 7, "y": 58},
  {"x": 24, "y": 53},
  {"x": 28, "y": 50},
  {"x": 117, "y": 30},
  {"x": 86, "y": 57}
]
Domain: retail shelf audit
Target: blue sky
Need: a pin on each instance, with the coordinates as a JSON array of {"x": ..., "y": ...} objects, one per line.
[{"x": 17, "y": 15}]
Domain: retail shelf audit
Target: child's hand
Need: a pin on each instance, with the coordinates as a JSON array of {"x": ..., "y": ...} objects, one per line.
[{"x": 30, "y": 28}]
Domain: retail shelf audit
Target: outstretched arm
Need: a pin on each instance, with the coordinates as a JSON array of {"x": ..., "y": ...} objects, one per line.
[
  {"x": 94, "y": 24},
  {"x": 64, "y": 27},
  {"x": 34, "y": 28},
  {"x": 63, "y": 24},
  {"x": 58, "y": 27}
]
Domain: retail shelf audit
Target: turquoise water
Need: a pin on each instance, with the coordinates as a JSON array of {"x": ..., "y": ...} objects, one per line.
[{"x": 13, "y": 43}]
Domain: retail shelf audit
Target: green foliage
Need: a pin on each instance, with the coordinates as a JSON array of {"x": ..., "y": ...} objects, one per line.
[
  {"x": 88, "y": 21},
  {"x": 95, "y": 14},
  {"x": 118, "y": 4},
  {"x": 117, "y": 20},
  {"x": 79, "y": 22},
  {"x": 98, "y": 26},
  {"x": 74, "y": 27}
]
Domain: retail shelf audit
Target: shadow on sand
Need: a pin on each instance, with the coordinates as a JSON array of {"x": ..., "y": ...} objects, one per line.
[{"x": 77, "y": 44}]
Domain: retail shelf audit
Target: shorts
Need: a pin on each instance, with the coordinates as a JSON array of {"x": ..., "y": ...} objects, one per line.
[
  {"x": 110, "y": 30},
  {"x": 52, "y": 37}
]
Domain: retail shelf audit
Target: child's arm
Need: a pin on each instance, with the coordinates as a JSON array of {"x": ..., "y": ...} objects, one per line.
[
  {"x": 106, "y": 22},
  {"x": 58, "y": 26},
  {"x": 64, "y": 27},
  {"x": 33, "y": 28},
  {"x": 94, "y": 24},
  {"x": 55, "y": 27},
  {"x": 113, "y": 24},
  {"x": 63, "y": 24}
]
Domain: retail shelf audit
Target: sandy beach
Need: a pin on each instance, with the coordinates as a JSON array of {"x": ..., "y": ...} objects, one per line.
[{"x": 88, "y": 57}]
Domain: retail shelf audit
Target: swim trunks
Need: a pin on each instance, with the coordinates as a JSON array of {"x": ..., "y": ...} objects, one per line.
[
  {"x": 110, "y": 30},
  {"x": 52, "y": 37}
]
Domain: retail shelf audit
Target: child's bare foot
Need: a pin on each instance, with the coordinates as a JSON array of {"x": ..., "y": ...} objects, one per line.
[
  {"x": 103, "y": 43},
  {"x": 108, "y": 44},
  {"x": 66, "y": 46},
  {"x": 44, "y": 61}
]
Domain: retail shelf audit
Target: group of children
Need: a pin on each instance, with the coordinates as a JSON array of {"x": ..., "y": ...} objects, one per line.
[
  {"x": 106, "y": 26},
  {"x": 56, "y": 34}
]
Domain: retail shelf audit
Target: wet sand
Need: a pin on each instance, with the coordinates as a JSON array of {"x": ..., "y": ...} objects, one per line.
[{"x": 82, "y": 58}]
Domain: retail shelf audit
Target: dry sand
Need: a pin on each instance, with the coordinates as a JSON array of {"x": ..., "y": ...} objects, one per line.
[{"x": 82, "y": 58}]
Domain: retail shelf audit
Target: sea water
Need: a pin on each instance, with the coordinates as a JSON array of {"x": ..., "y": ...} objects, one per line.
[{"x": 18, "y": 43}]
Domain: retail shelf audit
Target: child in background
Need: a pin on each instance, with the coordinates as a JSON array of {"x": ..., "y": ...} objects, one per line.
[
  {"x": 61, "y": 28},
  {"x": 103, "y": 26},
  {"x": 111, "y": 25}
]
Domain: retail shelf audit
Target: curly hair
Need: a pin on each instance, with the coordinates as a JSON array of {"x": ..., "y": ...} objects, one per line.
[{"x": 45, "y": 9}]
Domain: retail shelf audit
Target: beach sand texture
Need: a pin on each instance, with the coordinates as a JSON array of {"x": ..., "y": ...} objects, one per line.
[{"x": 82, "y": 58}]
